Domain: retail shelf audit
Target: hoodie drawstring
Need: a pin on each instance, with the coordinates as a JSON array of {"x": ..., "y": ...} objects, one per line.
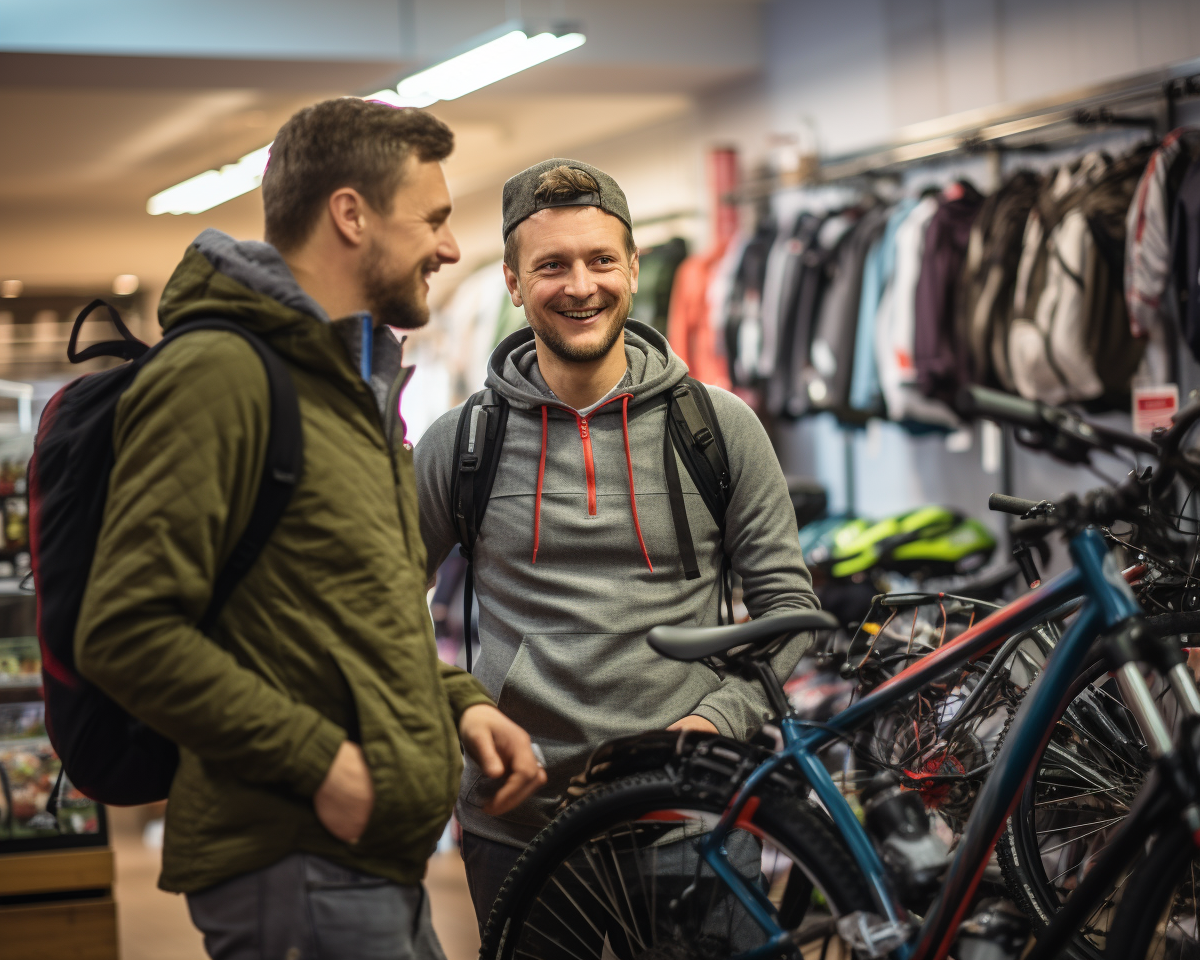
[
  {"x": 629, "y": 463},
  {"x": 537, "y": 504}
]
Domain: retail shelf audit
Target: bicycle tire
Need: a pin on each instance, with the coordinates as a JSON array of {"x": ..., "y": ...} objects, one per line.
[
  {"x": 1019, "y": 850},
  {"x": 1150, "y": 893},
  {"x": 788, "y": 822}
]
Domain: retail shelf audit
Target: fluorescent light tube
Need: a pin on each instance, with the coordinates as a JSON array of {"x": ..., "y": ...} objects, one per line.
[
  {"x": 483, "y": 65},
  {"x": 213, "y": 187}
]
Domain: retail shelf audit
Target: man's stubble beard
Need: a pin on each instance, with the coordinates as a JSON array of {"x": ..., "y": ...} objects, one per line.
[
  {"x": 393, "y": 301},
  {"x": 548, "y": 334}
]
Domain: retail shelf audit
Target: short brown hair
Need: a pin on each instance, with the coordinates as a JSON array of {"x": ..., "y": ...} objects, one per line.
[
  {"x": 342, "y": 143},
  {"x": 562, "y": 183}
]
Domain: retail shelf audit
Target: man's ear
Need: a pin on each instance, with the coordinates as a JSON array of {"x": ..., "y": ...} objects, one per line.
[
  {"x": 514, "y": 286},
  {"x": 348, "y": 211},
  {"x": 634, "y": 267}
]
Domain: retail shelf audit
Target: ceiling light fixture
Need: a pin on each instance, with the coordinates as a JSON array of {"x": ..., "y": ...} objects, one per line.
[
  {"x": 480, "y": 66},
  {"x": 11, "y": 288}
]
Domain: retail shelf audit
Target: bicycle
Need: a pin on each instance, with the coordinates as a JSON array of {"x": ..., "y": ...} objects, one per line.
[{"x": 694, "y": 800}]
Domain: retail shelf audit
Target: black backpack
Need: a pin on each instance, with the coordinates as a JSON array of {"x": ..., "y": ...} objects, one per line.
[
  {"x": 692, "y": 430},
  {"x": 106, "y": 753}
]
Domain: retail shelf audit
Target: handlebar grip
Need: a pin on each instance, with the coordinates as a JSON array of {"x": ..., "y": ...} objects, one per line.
[
  {"x": 1017, "y": 506},
  {"x": 975, "y": 401}
]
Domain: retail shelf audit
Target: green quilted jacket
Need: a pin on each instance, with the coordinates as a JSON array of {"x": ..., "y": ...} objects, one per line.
[{"x": 328, "y": 636}]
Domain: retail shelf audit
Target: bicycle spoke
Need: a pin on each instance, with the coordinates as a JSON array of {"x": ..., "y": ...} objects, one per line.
[{"x": 624, "y": 890}]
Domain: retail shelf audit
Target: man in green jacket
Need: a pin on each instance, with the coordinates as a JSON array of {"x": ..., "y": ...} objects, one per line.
[{"x": 318, "y": 732}]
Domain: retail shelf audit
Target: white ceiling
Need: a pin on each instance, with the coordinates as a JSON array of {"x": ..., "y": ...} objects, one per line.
[{"x": 89, "y": 135}]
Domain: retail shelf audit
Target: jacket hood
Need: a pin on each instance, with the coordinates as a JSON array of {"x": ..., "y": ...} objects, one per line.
[
  {"x": 249, "y": 282},
  {"x": 513, "y": 372},
  {"x": 265, "y": 281}
]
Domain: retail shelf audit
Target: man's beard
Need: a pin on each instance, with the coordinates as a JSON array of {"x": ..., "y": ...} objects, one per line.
[
  {"x": 393, "y": 301},
  {"x": 564, "y": 350}
]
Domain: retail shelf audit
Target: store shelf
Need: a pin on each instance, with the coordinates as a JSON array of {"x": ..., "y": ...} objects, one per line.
[
  {"x": 79, "y": 929},
  {"x": 22, "y": 874}
]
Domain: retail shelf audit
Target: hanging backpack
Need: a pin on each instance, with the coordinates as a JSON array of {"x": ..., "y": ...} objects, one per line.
[
  {"x": 107, "y": 754},
  {"x": 692, "y": 431}
]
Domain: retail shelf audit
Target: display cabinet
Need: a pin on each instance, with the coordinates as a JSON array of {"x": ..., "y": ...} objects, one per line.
[{"x": 56, "y": 868}]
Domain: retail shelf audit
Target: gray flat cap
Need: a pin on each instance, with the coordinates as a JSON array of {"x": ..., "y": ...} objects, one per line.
[{"x": 520, "y": 203}]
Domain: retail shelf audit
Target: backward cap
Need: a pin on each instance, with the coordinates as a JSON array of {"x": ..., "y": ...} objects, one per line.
[{"x": 519, "y": 201}]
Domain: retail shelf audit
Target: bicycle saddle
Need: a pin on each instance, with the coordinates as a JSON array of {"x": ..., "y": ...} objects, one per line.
[{"x": 695, "y": 643}]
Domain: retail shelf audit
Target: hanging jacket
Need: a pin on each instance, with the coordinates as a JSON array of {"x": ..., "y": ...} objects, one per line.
[
  {"x": 656, "y": 274},
  {"x": 743, "y": 330},
  {"x": 778, "y": 291},
  {"x": 895, "y": 328},
  {"x": 577, "y": 558},
  {"x": 1071, "y": 340},
  {"x": 989, "y": 277},
  {"x": 688, "y": 327},
  {"x": 788, "y": 392},
  {"x": 794, "y": 270},
  {"x": 939, "y": 354},
  {"x": 865, "y": 396},
  {"x": 1148, "y": 253},
  {"x": 328, "y": 635},
  {"x": 1185, "y": 246},
  {"x": 831, "y": 355}
]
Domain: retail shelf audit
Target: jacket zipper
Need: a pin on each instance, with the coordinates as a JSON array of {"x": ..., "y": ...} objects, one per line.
[{"x": 589, "y": 465}]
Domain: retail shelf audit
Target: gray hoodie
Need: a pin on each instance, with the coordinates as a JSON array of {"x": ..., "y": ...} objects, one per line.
[{"x": 577, "y": 559}]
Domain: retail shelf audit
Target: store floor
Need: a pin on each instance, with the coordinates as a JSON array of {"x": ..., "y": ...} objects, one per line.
[{"x": 154, "y": 925}]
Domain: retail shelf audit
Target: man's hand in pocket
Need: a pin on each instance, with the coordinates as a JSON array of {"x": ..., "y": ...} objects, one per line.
[
  {"x": 504, "y": 752},
  {"x": 345, "y": 797}
]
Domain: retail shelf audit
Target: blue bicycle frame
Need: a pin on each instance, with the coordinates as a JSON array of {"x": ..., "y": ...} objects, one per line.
[{"x": 1107, "y": 601}]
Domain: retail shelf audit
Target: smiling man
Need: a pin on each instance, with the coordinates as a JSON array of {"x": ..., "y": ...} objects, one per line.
[{"x": 577, "y": 556}]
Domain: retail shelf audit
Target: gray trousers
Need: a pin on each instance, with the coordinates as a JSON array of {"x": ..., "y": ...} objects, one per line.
[{"x": 306, "y": 908}]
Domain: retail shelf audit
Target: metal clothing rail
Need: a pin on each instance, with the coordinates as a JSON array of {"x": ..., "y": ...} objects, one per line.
[{"x": 1015, "y": 126}]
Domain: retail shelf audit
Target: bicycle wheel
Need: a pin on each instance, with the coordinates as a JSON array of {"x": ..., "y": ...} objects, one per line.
[
  {"x": 1157, "y": 917},
  {"x": 1084, "y": 785},
  {"x": 617, "y": 874}
]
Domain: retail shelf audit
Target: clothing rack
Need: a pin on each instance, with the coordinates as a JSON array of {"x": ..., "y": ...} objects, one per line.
[
  {"x": 1147, "y": 101},
  {"x": 1025, "y": 126}
]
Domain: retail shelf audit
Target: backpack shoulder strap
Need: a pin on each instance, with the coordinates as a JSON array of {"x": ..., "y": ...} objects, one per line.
[
  {"x": 477, "y": 444},
  {"x": 696, "y": 434},
  {"x": 281, "y": 469},
  {"x": 693, "y": 431}
]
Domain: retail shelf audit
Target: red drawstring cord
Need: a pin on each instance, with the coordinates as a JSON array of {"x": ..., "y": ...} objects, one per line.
[
  {"x": 629, "y": 463},
  {"x": 537, "y": 505}
]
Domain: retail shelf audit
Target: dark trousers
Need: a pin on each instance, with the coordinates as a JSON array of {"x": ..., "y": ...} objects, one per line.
[
  {"x": 488, "y": 863},
  {"x": 306, "y": 908}
]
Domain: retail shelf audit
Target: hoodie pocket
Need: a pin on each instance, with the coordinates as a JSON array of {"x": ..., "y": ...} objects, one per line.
[{"x": 574, "y": 691}]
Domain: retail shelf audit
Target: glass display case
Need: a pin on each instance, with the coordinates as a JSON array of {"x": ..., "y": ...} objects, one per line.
[{"x": 39, "y": 810}]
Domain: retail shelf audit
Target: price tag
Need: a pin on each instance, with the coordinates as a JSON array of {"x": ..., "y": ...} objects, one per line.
[{"x": 1154, "y": 407}]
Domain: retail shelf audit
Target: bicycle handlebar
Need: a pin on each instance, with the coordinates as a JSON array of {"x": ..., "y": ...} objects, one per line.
[
  {"x": 1017, "y": 506},
  {"x": 1067, "y": 435}
]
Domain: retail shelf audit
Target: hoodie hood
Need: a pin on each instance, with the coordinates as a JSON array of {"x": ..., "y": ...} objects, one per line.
[{"x": 653, "y": 368}]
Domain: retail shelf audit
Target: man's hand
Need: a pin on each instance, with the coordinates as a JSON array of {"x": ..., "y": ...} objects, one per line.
[
  {"x": 345, "y": 797},
  {"x": 502, "y": 749},
  {"x": 694, "y": 722}
]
